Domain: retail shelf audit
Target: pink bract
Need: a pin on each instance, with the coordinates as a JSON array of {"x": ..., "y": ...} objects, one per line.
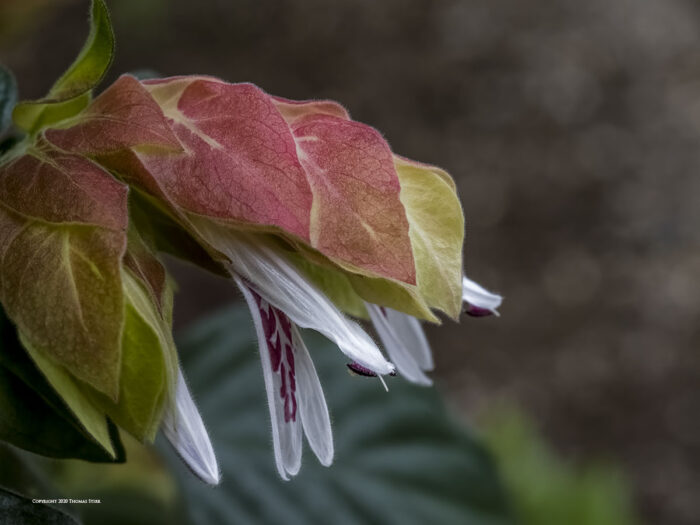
[{"x": 233, "y": 153}]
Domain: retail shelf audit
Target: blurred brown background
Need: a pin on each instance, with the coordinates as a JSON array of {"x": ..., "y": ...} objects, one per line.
[{"x": 573, "y": 131}]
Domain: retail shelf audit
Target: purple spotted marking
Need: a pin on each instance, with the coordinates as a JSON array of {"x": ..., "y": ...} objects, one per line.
[
  {"x": 360, "y": 370},
  {"x": 278, "y": 336}
]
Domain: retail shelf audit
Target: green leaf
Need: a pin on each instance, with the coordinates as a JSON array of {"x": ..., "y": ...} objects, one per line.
[
  {"x": 71, "y": 93},
  {"x": 18, "y": 510},
  {"x": 33, "y": 416},
  {"x": 8, "y": 98},
  {"x": 400, "y": 458}
]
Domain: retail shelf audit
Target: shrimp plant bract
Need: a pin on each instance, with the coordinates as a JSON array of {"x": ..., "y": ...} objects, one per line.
[{"x": 308, "y": 212}]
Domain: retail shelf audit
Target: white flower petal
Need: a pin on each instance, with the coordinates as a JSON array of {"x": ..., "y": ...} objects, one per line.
[
  {"x": 312, "y": 403},
  {"x": 183, "y": 427},
  {"x": 479, "y": 297},
  {"x": 410, "y": 333},
  {"x": 278, "y": 363},
  {"x": 398, "y": 344},
  {"x": 283, "y": 286}
]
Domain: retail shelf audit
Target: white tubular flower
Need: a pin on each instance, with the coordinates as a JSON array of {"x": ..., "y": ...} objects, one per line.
[
  {"x": 404, "y": 341},
  {"x": 294, "y": 393},
  {"x": 184, "y": 428},
  {"x": 480, "y": 302},
  {"x": 281, "y": 285},
  {"x": 276, "y": 193}
]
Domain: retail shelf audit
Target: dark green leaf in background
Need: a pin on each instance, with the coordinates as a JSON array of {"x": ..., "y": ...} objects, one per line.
[
  {"x": 400, "y": 459},
  {"x": 18, "y": 510},
  {"x": 20, "y": 482},
  {"x": 19, "y": 476},
  {"x": 139, "y": 492},
  {"x": 8, "y": 98}
]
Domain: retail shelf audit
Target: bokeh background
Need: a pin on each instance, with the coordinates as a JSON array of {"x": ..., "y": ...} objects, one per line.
[{"x": 573, "y": 132}]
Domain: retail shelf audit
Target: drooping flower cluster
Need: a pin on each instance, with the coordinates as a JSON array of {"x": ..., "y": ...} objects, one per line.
[{"x": 308, "y": 212}]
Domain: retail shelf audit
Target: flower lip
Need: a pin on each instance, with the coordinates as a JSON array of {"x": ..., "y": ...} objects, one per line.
[{"x": 476, "y": 311}]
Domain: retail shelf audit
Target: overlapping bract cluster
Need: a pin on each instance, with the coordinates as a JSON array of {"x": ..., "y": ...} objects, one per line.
[
  {"x": 90, "y": 300},
  {"x": 308, "y": 211},
  {"x": 232, "y": 157}
]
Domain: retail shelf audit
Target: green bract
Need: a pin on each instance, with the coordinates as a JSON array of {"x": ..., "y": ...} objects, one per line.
[
  {"x": 148, "y": 360},
  {"x": 91, "y": 418},
  {"x": 91, "y": 304},
  {"x": 436, "y": 228},
  {"x": 33, "y": 416},
  {"x": 148, "y": 366}
]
